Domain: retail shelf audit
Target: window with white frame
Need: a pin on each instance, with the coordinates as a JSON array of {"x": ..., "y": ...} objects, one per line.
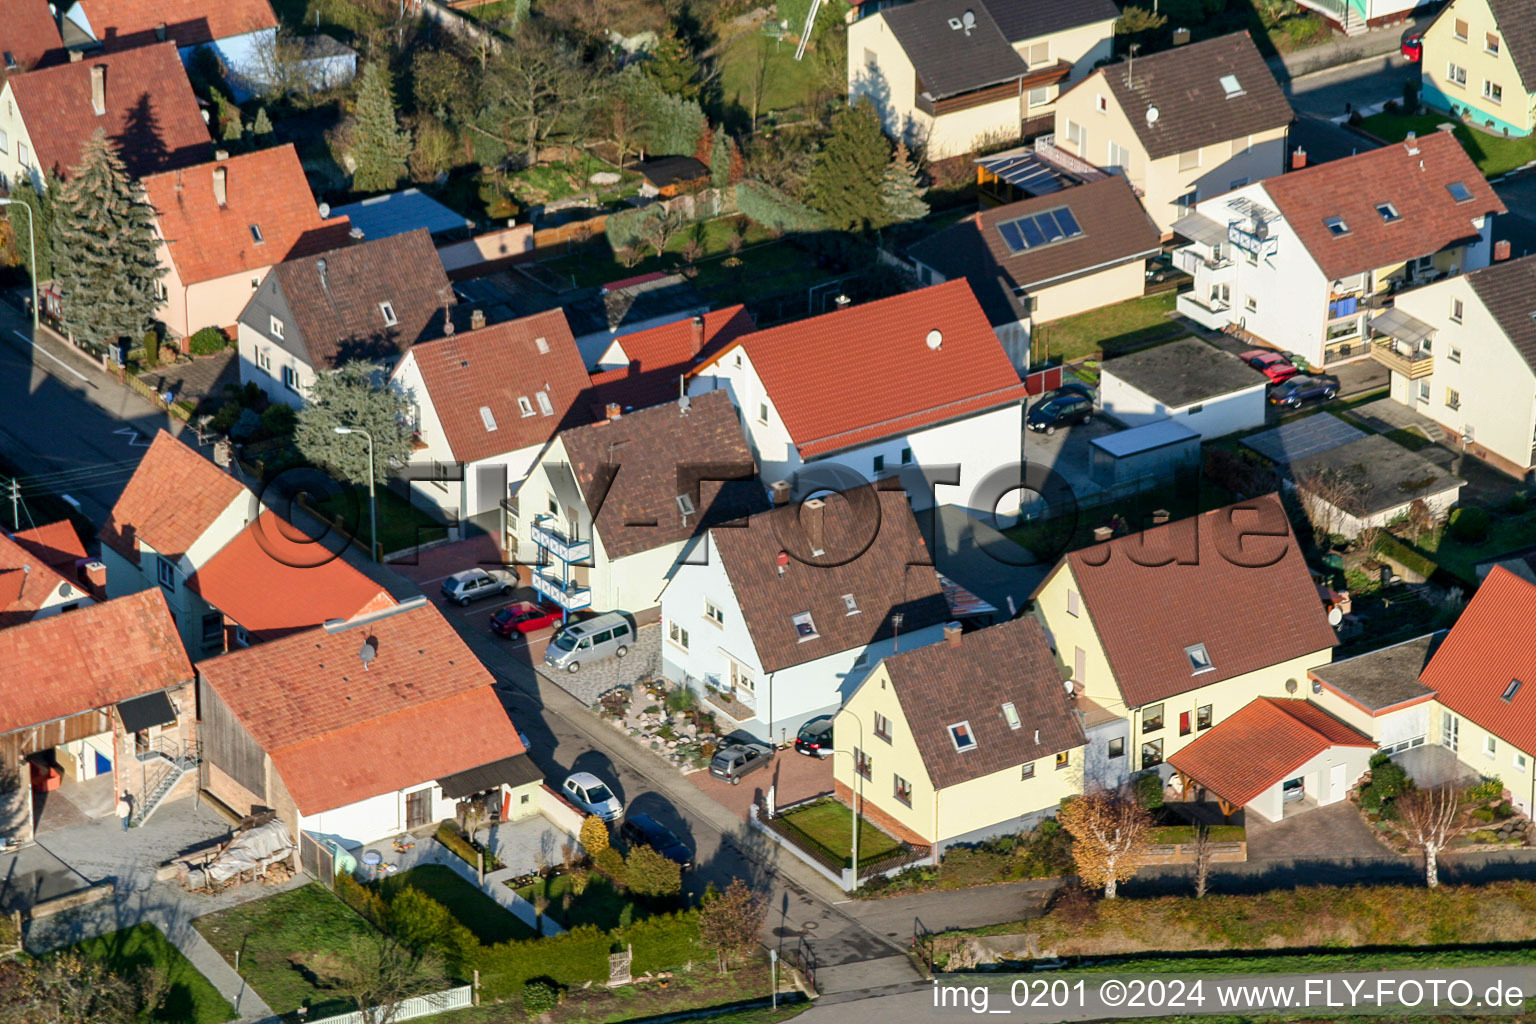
[
  {"x": 1027, "y": 772},
  {"x": 1075, "y": 134},
  {"x": 677, "y": 634},
  {"x": 545, "y": 408},
  {"x": 903, "y": 790},
  {"x": 264, "y": 360},
  {"x": 850, "y": 605},
  {"x": 291, "y": 379},
  {"x": 1199, "y": 659},
  {"x": 1519, "y": 762},
  {"x": 1455, "y": 73},
  {"x": 1459, "y": 30},
  {"x": 1251, "y": 305},
  {"x": 1455, "y": 354},
  {"x": 388, "y": 311},
  {"x": 524, "y": 407},
  {"x": 1423, "y": 390},
  {"x": 961, "y": 736},
  {"x": 1493, "y": 92},
  {"x": 1119, "y": 157},
  {"x": 713, "y": 613},
  {"x": 1101, "y": 104},
  {"x": 1452, "y": 398},
  {"x": 1457, "y": 309},
  {"x": 1074, "y": 604},
  {"x": 275, "y": 327},
  {"x": 882, "y": 727},
  {"x": 762, "y": 412},
  {"x": 1040, "y": 96},
  {"x": 167, "y": 570},
  {"x": 1038, "y": 53},
  {"x": 743, "y": 684},
  {"x": 1490, "y": 746},
  {"x": 5, "y": 143},
  {"x": 1491, "y": 43},
  {"x": 1011, "y": 715},
  {"x": 23, "y": 157}
]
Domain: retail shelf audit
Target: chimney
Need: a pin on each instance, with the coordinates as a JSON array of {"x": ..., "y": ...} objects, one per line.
[
  {"x": 1159, "y": 516},
  {"x": 221, "y": 154},
  {"x": 1298, "y": 158},
  {"x": 812, "y": 520},
  {"x": 92, "y": 574},
  {"x": 220, "y": 190},
  {"x": 696, "y": 343},
  {"x": 1411, "y": 143},
  {"x": 842, "y": 302},
  {"x": 75, "y": 56},
  {"x": 780, "y": 491},
  {"x": 99, "y": 89},
  {"x": 476, "y": 319},
  {"x": 1501, "y": 250},
  {"x": 1343, "y": 602},
  {"x": 1180, "y": 36},
  {"x": 1102, "y": 534},
  {"x": 320, "y": 267},
  {"x": 952, "y": 633},
  {"x": 613, "y": 411},
  {"x": 160, "y": 32}
]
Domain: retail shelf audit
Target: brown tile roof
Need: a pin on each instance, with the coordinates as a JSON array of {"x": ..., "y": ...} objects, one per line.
[
  {"x": 339, "y": 732},
  {"x": 943, "y": 684},
  {"x": 1193, "y": 108},
  {"x": 492, "y": 369},
  {"x": 30, "y": 35},
  {"x": 1416, "y": 183},
  {"x": 57, "y": 544},
  {"x": 26, "y": 581},
  {"x": 338, "y": 313},
  {"x": 122, "y": 24},
  {"x": 151, "y": 115},
  {"x": 1490, "y": 646},
  {"x": 873, "y": 551},
  {"x": 1233, "y": 579},
  {"x": 1115, "y": 229},
  {"x": 903, "y": 383},
  {"x": 633, "y": 469},
  {"x": 172, "y": 498},
  {"x": 265, "y": 190},
  {"x": 660, "y": 355},
  {"x": 1264, "y": 743},
  {"x": 92, "y": 658},
  {"x": 1031, "y": 19},
  {"x": 1506, "y": 290}
]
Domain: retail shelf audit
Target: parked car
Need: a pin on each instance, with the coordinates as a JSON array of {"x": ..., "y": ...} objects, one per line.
[
  {"x": 732, "y": 762},
  {"x": 1304, "y": 388},
  {"x": 1071, "y": 387},
  {"x": 524, "y": 617},
  {"x": 473, "y": 584},
  {"x": 1413, "y": 48},
  {"x": 580, "y": 643},
  {"x": 1271, "y": 364},
  {"x": 1061, "y": 411},
  {"x": 643, "y": 830},
  {"x": 1292, "y": 790},
  {"x": 590, "y": 794},
  {"x": 815, "y": 738}
]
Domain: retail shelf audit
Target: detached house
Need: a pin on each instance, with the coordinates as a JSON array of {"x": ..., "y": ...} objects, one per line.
[
  {"x": 795, "y": 605},
  {"x": 29, "y": 38},
  {"x": 484, "y": 404},
  {"x": 962, "y": 740},
  {"x": 1182, "y": 125},
  {"x": 371, "y": 301},
  {"x": 223, "y": 225},
  {"x": 898, "y": 387},
  {"x": 33, "y": 588},
  {"x": 1479, "y": 63},
  {"x": 1301, "y": 261},
  {"x": 242, "y": 33},
  {"x": 140, "y": 98},
  {"x": 646, "y": 368}
]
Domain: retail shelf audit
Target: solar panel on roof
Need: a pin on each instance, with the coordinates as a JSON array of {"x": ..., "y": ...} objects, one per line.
[
  {"x": 1056, "y": 225},
  {"x": 1011, "y": 237},
  {"x": 1068, "y": 222}
]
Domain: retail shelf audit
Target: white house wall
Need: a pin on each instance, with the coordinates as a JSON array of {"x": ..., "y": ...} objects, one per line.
[
  {"x": 1317, "y": 780},
  {"x": 15, "y": 144},
  {"x": 1216, "y": 417},
  {"x": 374, "y": 818}
]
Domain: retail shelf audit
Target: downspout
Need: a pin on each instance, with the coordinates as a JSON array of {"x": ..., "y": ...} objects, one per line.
[{"x": 934, "y": 853}]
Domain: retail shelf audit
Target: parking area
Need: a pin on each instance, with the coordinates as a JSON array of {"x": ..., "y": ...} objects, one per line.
[
  {"x": 794, "y": 777},
  {"x": 1067, "y": 452},
  {"x": 1334, "y": 831}
]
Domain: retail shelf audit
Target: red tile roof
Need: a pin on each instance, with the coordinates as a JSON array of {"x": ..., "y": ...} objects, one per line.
[
  {"x": 1351, "y": 189},
  {"x": 172, "y": 498},
  {"x": 273, "y": 580},
  {"x": 338, "y": 732},
  {"x": 1264, "y": 743},
  {"x": 57, "y": 544},
  {"x": 30, "y": 35},
  {"x": 26, "y": 581},
  {"x": 902, "y": 384},
  {"x": 92, "y": 658},
  {"x": 492, "y": 369},
  {"x": 660, "y": 355},
  {"x": 122, "y": 24},
  {"x": 151, "y": 115},
  {"x": 266, "y": 190},
  {"x": 1152, "y": 595},
  {"x": 1490, "y": 646}
]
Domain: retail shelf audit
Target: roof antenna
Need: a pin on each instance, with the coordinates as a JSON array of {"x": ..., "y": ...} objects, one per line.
[
  {"x": 1130, "y": 65},
  {"x": 368, "y": 652}
]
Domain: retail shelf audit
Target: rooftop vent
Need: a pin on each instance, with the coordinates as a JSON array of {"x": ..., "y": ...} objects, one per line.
[
  {"x": 220, "y": 186},
  {"x": 99, "y": 89},
  {"x": 1152, "y": 115},
  {"x": 935, "y": 340}
]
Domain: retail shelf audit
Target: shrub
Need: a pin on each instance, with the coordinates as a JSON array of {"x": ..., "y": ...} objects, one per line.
[
  {"x": 1389, "y": 546},
  {"x": 1490, "y": 788},
  {"x": 207, "y": 341},
  {"x": 681, "y": 699},
  {"x": 575, "y": 958},
  {"x": 421, "y": 922},
  {"x": 1047, "y": 851},
  {"x": 1517, "y": 503},
  {"x": 1483, "y": 814},
  {"x": 279, "y": 420},
  {"x": 1149, "y": 791},
  {"x": 1469, "y": 525},
  {"x": 540, "y": 995},
  {"x": 594, "y": 836},
  {"x": 449, "y": 835},
  {"x": 651, "y": 874},
  {"x": 1504, "y": 810},
  {"x": 662, "y": 942},
  {"x": 611, "y": 863},
  {"x": 1484, "y": 836},
  {"x": 1388, "y": 780},
  {"x": 362, "y": 899},
  {"x": 151, "y": 347},
  {"x": 775, "y": 211}
]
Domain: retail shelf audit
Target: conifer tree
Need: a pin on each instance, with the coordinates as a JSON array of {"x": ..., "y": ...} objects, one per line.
[
  {"x": 672, "y": 67},
  {"x": 899, "y": 190},
  {"x": 724, "y": 159},
  {"x": 843, "y": 183},
  {"x": 379, "y": 145},
  {"x": 262, "y": 126}
]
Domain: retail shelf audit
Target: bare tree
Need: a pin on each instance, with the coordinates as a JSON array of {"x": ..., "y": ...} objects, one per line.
[
  {"x": 1109, "y": 829},
  {"x": 1430, "y": 819},
  {"x": 540, "y": 91},
  {"x": 623, "y": 118},
  {"x": 759, "y": 73},
  {"x": 1327, "y": 495},
  {"x": 1203, "y": 851},
  {"x": 378, "y": 972},
  {"x": 661, "y": 227},
  {"x": 65, "y": 989}
]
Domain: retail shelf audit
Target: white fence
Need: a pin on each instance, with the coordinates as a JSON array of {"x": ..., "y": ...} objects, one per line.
[{"x": 416, "y": 1006}]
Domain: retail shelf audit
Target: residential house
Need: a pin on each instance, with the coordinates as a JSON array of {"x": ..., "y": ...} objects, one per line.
[
  {"x": 793, "y": 607},
  {"x": 1179, "y": 626},
  {"x": 1203, "y": 387},
  {"x": 1045, "y": 258},
  {"x": 647, "y": 367},
  {"x": 96, "y": 703},
  {"x": 57, "y": 544},
  {"x": 140, "y": 98},
  {"x": 625, "y": 307},
  {"x": 30, "y": 37},
  {"x": 406, "y": 210},
  {"x": 948, "y": 76},
  {"x": 1379, "y": 693},
  {"x": 610, "y": 510},
  {"x": 1368, "y": 483},
  {"x": 1356, "y": 17},
  {"x": 1183, "y": 125},
  {"x": 371, "y": 301},
  {"x": 1479, "y": 63},
  {"x": 484, "y": 404},
  {"x": 222, "y": 226},
  {"x": 1300, "y": 261},
  {"x": 353, "y": 731},
  {"x": 1463, "y": 352},
  {"x": 916, "y": 385},
  {"x": 960, "y": 741},
  {"x": 241, "y": 33},
  {"x": 32, "y": 588},
  {"x": 177, "y": 511}
]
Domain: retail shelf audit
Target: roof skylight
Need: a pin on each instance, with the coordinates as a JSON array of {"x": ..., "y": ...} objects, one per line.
[{"x": 1023, "y": 233}]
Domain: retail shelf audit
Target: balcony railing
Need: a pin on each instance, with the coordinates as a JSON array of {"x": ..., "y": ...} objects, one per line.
[
  {"x": 558, "y": 544},
  {"x": 1190, "y": 261},
  {"x": 1399, "y": 358},
  {"x": 571, "y": 596}
]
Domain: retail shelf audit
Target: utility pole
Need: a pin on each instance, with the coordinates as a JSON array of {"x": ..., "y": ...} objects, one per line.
[{"x": 15, "y": 504}]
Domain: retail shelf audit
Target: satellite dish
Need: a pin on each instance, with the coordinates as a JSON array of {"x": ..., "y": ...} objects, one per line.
[
  {"x": 1071, "y": 686},
  {"x": 935, "y": 339},
  {"x": 1261, "y": 229},
  {"x": 325, "y": 210},
  {"x": 1290, "y": 686},
  {"x": 1151, "y": 115},
  {"x": 368, "y": 651},
  {"x": 682, "y": 405},
  {"x": 1335, "y": 617},
  {"x": 968, "y": 20}
]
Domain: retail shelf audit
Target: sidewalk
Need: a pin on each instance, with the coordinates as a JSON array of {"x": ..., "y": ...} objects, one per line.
[{"x": 1340, "y": 49}]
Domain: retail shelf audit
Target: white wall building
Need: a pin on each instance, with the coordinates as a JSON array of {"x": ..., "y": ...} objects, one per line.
[{"x": 1201, "y": 386}]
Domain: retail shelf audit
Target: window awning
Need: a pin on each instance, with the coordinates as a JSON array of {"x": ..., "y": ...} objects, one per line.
[
  {"x": 146, "y": 712},
  {"x": 516, "y": 770},
  {"x": 1398, "y": 324},
  {"x": 1197, "y": 227}
]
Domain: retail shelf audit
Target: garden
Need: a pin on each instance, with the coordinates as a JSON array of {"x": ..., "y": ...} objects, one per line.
[
  {"x": 488, "y": 921},
  {"x": 825, "y": 828},
  {"x": 1483, "y": 818},
  {"x": 402, "y": 525},
  {"x": 667, "y": 719},
  {"x": 175, "y": 992},
  {"x": 1110, "y": 330},
  {"x": 1043, "y": 852}
]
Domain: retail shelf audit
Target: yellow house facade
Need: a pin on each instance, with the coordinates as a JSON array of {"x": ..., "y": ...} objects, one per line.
[{"x": 1470, "y": 68}]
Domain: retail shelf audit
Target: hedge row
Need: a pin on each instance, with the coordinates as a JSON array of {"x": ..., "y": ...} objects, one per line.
[
  {"x": 1407, "y": 557},
  {"x": 451, "y": 837},
  {"x": 775, "y": 211},
  {"x": 581, "y": 954}
]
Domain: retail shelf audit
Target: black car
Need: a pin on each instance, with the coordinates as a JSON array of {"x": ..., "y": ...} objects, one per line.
[
  {"x": 1071, "y": 387},
  {"x": 732, "y": 762},
  {"x": 1062, "y": 411},
  {"x": 1304, "y": 388},
  {"x": 644, "y": 830},
  {"x": 815, "y": 738}
]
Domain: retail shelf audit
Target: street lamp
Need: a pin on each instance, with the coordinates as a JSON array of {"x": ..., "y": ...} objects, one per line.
[
  {"x": 373, "y": 508},
  {"x": 858, "y": 791},
  {"x": 32, "y": 250}
]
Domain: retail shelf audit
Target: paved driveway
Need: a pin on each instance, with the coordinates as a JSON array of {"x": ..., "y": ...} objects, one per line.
[
  {"x": 1334, "y": 831},
  {"x": 794, "y": 776}
]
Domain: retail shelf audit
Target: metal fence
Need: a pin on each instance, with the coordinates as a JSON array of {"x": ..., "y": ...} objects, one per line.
[{"x": 417, "y": 1006}]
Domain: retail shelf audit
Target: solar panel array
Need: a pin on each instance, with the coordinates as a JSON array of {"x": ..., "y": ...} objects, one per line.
[{"x": 1038, "y": 229}]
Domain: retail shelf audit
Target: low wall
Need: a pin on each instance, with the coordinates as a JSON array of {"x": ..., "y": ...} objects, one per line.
[
  {"x": 70, "y": 901},
  {"x": 493, "y": 245},
  {"x": 1185, "y": 853},
  {"x": 553, "y": 806}
]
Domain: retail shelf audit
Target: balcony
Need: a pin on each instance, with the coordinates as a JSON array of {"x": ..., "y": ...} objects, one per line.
[
  {"x": 1412, "y": 363},
  {"x": 1214, "y": 314},
  {"x": 558, "y": 544},
  {"x": 1191, "y": 262},
  {"x": 571, "y": 596}
]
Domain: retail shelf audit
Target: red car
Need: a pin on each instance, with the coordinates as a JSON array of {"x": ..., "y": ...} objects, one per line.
[
  {"x": 1271, "y": 364},
  {"x": 524, "y": 617},
  {"x": 1413, "y": 49}
]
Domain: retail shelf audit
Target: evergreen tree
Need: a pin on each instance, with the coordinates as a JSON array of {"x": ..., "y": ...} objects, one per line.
[
  {"x": 41, "y": 207},
  {"x": 843, "y": 182},
  {"x": 104, "y": 248},
  {"x": 352, "y": 395},
  {"x": 900, "y": 192},
  {"x": 234, "y": 127},
  {"x": 262, "y": 126},
  {"x": 379, "y": 145},
  {"x": 672, "y": 66},
  {"x": 724, "y": 159}
]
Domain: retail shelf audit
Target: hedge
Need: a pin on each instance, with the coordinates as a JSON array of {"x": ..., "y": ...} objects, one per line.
[
  {"x": 663, "y": 942},
  {"x": 449, "y": 835},
  {"x": 775, "y": 211},
  {"x": 1407, "y": 557},
  {"x": 207, "y": 341},
  {"x": 1186, "y": 834},
  {"x": 573, "y": 959}
]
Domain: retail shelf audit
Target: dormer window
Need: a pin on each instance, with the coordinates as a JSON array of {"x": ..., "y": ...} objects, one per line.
[
  {"x": 1459, "y": 191},
  {"x": 1011, "y": 716},
  {"x": 487, "y": 418},
  {"x": 256, "y": 234},
  {"x": 961, "y": 736},
  {"x": 1231, "y": 86},
  {"x": 850, "y": 606},
  {"x": 10, "y": 61},
  {"x": 524, "y": 406},
  {"x": 1336, "y": 226},
  {"x": 1199, "y": 659},
  {"x": 1388, "y": 212},
  {"x": 1510, "y": 691},
  {"x": 805, "y": 629},
  {"x": 389, "y": 314}
]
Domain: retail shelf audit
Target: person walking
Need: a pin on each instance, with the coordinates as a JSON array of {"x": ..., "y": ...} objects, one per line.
[{"x": 124, "y": 809}]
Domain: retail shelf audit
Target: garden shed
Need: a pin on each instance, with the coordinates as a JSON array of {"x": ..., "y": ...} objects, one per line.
[{"x": 1144, "y": 456}]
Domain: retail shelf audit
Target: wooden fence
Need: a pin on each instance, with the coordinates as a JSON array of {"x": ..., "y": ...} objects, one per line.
[{"x": 416, "y": 1006}]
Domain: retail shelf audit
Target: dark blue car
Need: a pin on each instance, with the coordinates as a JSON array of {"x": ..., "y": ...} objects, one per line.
[
  {"x": 1304, "y": 388},
  {"x": 647, "y": 831},
  {"x": 1066, "y": 409}
]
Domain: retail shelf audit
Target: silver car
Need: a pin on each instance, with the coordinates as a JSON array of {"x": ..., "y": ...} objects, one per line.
[
  {"x": 473, "y": 584},
  {"x": 592, "y": 796}
]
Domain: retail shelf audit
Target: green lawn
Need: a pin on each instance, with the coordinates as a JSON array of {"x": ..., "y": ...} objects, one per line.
[
  {"x": 600, "y": 904},
  {"x": 1493, "y": 154},
  {"x": 543, "y": 183},
  {"x": 1186, "y": 834},
  {"x": 340, "y": 18},
  {"x": 830, "y": 824},
  {"x": 401, "y": 525},
  {"x": 489, "y": 921},
  {"x": 786, "y": 83},
  {"x": 1052, "y": 537},
  {"x": 1506, "y": 532},
  {"x": 190, "y": 998},
  {"x": 1106, "y": 332},
  {"x": 283, "y": 942}
]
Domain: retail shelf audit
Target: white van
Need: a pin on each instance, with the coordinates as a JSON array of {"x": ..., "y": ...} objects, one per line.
[{"x": 603, "y": 636}]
